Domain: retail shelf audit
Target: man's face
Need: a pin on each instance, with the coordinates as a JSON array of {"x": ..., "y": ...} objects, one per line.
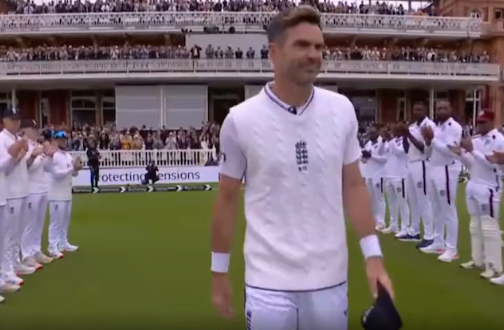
[
  {"x": 61, "y": 143},
  {"x": 485, "y": 127},
  {"x": 31, "y": 133},
  {"x": 298, "y": 54},
  {"x": 443, "y": 110},
  {"x": 12, "y": 124},
  {"x": 373, "y": 134},
  {"x": 418, "y": 111}
]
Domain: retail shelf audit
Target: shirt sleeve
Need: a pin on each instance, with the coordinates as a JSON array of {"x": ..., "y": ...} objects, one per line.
[
  {"x": 233, "y": 162},
  {"x": 351, "y": 144}
]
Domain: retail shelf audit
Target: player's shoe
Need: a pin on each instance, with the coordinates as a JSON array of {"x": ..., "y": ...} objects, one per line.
[
  {"x": 390, "y": 230},
  {"x": 9, "y": 288},
  {"x": 24, "y": 269},
  {"x": 498, "y": 280},
  {"x": 67, "y": 247},
  {"x": 42, "y": 258},
  {"x": 424, "y": 243},
  {"x": 379, "y": 226},
  {"x": 401, "y": 233},
  {"x": 448, "y": 256},
  {"x": 433, "y": 249},
  {"x": 12, "y": 278},
  {"x": 31, "y": 262},
  {"x": 410, "y": 238},
  {"x": 488, "y": 274},
  {"x": 55, "y": 254},
  {"x": 470, "y": 265},
  {"x": 2, "y": 299}
]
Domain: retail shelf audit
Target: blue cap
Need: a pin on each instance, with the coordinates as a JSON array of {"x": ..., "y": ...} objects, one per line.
[{"x": 60, "y": 135}]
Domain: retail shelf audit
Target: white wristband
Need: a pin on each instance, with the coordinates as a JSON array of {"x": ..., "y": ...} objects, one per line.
[
  {"x": 370, "y": 246},
  {"x": 220, "y": 262}
]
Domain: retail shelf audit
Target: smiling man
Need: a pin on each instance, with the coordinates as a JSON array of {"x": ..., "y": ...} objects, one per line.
[{"x": 297, "y": 147}]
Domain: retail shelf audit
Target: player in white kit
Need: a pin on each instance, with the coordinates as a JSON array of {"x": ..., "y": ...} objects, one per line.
[
  {"x": 417, "y": 184},
  {"x": 443, "y": 180},
  {"x": 38, "y": 160},
  {"x": 375, "y": 156},
  {"x": 61, "y": 170},
  {"x": 7, "y": 161},
  {"x": 297, "y": 147},
  {"x": 17, "y": 184},
  {"x": 396, "y": 171},
  {"x": 483, "y": 196}
]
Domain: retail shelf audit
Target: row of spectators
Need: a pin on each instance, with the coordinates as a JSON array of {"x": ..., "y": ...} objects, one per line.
[
  {"x": 109, "y": 137},
  {"x": 67, "y": 6},
  {"x": 65, "y": 53}
]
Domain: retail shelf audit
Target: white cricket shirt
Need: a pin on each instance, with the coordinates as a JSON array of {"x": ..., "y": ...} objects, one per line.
[
  {"x": 397, "y": 159},
  {"x": 38, "y": 182},
  {"x": 446, "y": 134},
  {"x": 292, "y": 160},
  {"x": 16, "y": 175},
  {"x": 60, "y": 176},
  {"x": 375, "y": 166},
  {"x": 415, "y": 155},
  {"x": 481, "y": 171}
]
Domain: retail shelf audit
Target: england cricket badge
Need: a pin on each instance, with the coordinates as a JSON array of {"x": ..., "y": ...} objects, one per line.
[
  {"x": 484, "y": 207},
  {"x": 377, "y": 185},
  {"x": 419, "y": 184},
  {"x": 442, "y": 193},
  {"x": 399, "y": 189},
  {"x": 29, "y": 205},
  {"x": 11, "y": 210}
]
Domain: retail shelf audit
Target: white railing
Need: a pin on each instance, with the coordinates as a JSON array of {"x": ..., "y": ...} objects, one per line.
[
  {"x": 242, "y": 65},
  {"x": 156, "y": 22},
  {"x": 141, "y": 158}
]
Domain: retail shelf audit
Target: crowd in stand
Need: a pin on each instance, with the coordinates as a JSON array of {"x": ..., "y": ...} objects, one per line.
[
  {"x": 64, "y": 6},
  {"x": 65, "y": 53}
]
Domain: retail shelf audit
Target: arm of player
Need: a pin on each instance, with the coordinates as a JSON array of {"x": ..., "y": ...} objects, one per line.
[
  {"x": 381, "y": 156},
  {"x": 8, "y": 156},
  {"x": 467, "y": 159},
  {"x": 231, "y": 172},
  {"x": 58, "y": 169},
  {"x": 455, "y": 135}
]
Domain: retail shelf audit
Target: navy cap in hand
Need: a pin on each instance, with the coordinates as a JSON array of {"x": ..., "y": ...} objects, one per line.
[{"x": 383, "y": 315}]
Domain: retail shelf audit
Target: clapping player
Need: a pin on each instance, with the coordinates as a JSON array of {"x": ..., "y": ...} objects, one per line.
[
  {"x": 443, "y": 181},
  {"x": 61, "y": 170},
  {"x": 483, "y": 196}
]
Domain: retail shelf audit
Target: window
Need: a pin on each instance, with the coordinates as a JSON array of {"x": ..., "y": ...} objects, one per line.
[
  {"x": 44, "y": 112},
  {"x": 109, "y": 109},
  {"x": 472, "y": 104},
  {"x": 475, "y": 14},
  {"x": 440, "y": 95},
  {"x": 401, "y": 109},
  {"x": 83, "y": 108}
]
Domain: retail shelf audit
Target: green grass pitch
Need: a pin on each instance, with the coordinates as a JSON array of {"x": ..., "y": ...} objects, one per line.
[{"x": 144, "y": 262}]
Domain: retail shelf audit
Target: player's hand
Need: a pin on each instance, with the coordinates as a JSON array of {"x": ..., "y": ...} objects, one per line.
[
  {"x": 49, "y": 152},
  {"x": 24, "y": 142},
  {"x": 21, "y": 154},
  {"x": 427, "y": 133},
  {"x": 376, "y": 272},
  {"x": 222, "y": 296},
  {"x": 466, "y": 143},
  {"x": 37, "y": 151},
  {"x": 496, "y": 158},
  {"x": 455, "y": 149}
]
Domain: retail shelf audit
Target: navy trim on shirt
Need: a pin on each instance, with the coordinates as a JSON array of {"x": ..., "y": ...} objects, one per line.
[{"x": 289, "y": 108}]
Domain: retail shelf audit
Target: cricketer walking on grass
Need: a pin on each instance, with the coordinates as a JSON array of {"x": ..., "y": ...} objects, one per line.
[
  {"x": 61, "y": 170},
  {"x": 37, "y": 163},
  {"x": 417, "y": 180},
  {"x": 297, "y": 146},
  {"x": 443, "y": 180},
  {"x": 483, "y": 196}
]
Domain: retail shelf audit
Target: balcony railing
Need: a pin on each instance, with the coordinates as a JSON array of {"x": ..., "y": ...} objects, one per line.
[
  {"x": 188, "y": 66},
  {"x": 156, "y": 22},
  {"x": 141, "y": 158}
]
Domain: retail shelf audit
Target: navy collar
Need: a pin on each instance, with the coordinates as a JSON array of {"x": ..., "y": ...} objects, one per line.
[{"x": 297, "y": 111}]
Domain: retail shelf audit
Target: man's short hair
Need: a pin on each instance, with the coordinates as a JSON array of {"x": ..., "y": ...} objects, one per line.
[{"x": 290, "y": 18}]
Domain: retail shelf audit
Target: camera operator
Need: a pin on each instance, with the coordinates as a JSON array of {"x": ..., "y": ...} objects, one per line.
[
  {"x": 151, "y": 174},
  {"x": 93, "y": 156}
]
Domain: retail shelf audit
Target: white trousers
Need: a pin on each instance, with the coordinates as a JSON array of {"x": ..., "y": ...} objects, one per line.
[
  {"x": 397, "y": 203},
  {"x": 15, "y": 222},
  {"x": 59, "y": 221},
  {"x": 325, "y": 309},
  {"x": 31, "y": 240},
  {"x": 417, "y": 186},
  {"x": 444, "y": 183},
  {"x": 3, "y": 223},
  {"x": 375, "y": 187}
]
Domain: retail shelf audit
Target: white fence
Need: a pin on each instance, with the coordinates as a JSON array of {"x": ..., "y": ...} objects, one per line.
[{"x": 162, "y": 158}]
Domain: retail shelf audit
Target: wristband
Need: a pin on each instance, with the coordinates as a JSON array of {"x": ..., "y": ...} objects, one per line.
[
  {"x": 220, "y": 262},
  {"x": 370, "y": 247}
]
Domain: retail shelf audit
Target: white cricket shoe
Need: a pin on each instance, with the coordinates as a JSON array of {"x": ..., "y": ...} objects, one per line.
[
  {"x": 390, "y": 230},
  {"x": 24, "y": 269},
  {"x": 42, "y": 258},
  {"x": 448, "y": 256},
  {"x": 498, "y": 280},
  {"x": 433, "y": 249},
  {"x": 470, "y": 265},
  {"x": 401, "y": 233},
  {"x": 56, "y": 254},
  {"x": 68, "y": 247},
  {"x": 488, "y": 274},
  {"x": 31, "y": 262},
  {"x": 9, "y": 288},
  {"x": 12, "y": 278},
  {"x": 2, "y": 299},
  {"x": 380, "y": 226}
]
